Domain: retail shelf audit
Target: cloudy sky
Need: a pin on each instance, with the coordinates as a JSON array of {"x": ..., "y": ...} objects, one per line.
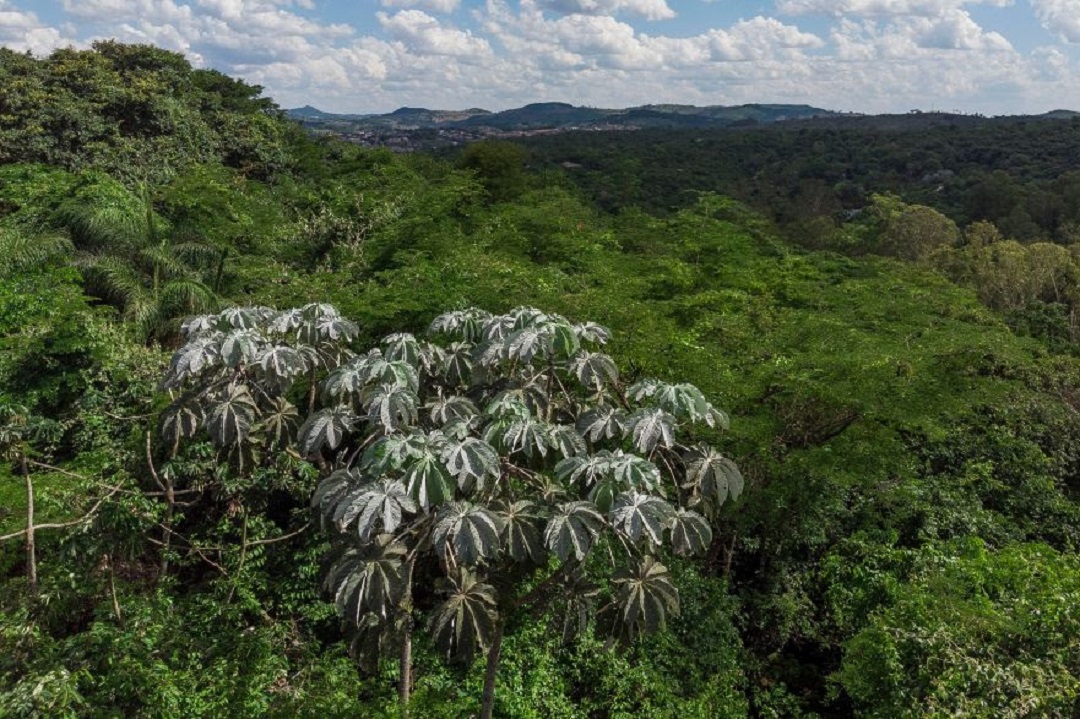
[{"x": 987, "y": 56}]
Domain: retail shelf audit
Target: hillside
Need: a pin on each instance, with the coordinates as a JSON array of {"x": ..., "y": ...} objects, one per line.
[{"x": 770, "y": 480}]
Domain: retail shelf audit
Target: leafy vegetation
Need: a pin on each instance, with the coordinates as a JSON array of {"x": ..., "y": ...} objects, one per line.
[{"x": 506, "y": 494}]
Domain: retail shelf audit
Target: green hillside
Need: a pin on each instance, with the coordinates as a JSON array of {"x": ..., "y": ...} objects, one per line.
[{"x": 903, "y": 414}]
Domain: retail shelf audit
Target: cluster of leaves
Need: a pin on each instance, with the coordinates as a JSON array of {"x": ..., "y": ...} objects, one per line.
[
  {"x": 134, "y": 110},
  {"x": 509, "y": 449}
]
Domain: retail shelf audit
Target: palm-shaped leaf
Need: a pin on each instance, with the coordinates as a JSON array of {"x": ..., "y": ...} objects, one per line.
[
  {"x": 565, "y": 440},
  {"x": 367, "y": 580},
  {"x": 281, "y": 362},
  {"x": 280, "y": 421},
  {"x": 594, "y": 370},
  {"x": 650, "y": 428},
  {"x": 602, "y": 422},
  {"x": 645, "y": 596},
  {"x": 450, "y": 408},
  {"x": 634, "y": 471},
  {"x": 181, "y": 420},
  {"x": 690, "y": 533},
  {"x": 244, "y": 318},
  {"x": 240, "y": 346},
  {"x": 521, "y": 533},
  {"x": 334, "y": 329},
  {"x": 333, "y": 490},
  {"x": 640, "y": 515},
  {"x": 231, "y": 416},
  {"x": 713, "y": 478},
  {"x": 325, "y": 429},
  {"x": 464, "y": 622},
  {"x": 193, "y": 358},
  {"x": 471, "y": 461},
  {"x": 466, "y": 533},
  {"x": 378, "y": 503},
  {"x": 467, "y": 324},
  {"x": 402, "y": 347},
  {"x": 592, "y": 332},
  {"x": 392, "y": 407},
  {"x": 457, "y": 364},
  {"x": 573, "y": 529},
  {"x": 428, "y": 482}
]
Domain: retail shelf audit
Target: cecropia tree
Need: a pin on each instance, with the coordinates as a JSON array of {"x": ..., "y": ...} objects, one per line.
[{"x": 502, "y": 464}]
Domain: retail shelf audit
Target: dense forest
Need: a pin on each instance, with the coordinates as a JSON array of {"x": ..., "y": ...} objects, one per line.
[{"x": 768, "y": 422}]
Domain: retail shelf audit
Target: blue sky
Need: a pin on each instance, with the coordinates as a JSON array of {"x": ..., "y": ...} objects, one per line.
[{"x": 987, "y": 56}]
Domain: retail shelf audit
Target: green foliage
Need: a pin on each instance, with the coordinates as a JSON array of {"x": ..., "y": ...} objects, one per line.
[{"x": 974, "y": 633}]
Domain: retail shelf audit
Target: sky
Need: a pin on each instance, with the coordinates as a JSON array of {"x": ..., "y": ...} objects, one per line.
[{"x": 991, "y": 57}]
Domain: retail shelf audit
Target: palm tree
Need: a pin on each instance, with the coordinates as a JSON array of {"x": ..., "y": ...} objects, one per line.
[
  {"x": 152, "y": 272},
  {"x": 21, "y": 249}
]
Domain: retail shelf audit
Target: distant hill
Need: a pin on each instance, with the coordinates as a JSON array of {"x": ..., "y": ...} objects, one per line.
[{"x": 558, "y": 116}]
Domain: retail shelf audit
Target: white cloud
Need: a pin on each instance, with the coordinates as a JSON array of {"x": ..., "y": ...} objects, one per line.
[
  {"x": 22, "y": 31},
  {"x": 1061, "y": 17},
  {"x": 872, "y": 8},
  {"x": 648, "y": 9},
  {"x": 444, "y": 6},
  {"x": 421, "y": 33}
]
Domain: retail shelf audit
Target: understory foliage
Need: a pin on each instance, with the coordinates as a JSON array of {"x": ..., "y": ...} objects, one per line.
[{"x": 506, "y": 459}]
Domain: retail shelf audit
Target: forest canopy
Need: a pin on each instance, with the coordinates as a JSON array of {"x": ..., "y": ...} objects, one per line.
[{"x": 243, "y": 471}]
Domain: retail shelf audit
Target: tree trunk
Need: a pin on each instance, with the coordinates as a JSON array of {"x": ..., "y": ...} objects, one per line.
[
  {"x": 405, "y": 674},
  {"x": 31, "y": 551},
  {"x": 491, "y": 671}
]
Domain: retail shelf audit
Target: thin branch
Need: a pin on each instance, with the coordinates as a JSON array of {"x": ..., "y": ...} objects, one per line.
[
  {"x": 58, "y": 470},
  {"x": 61, "y": 525},
  {"x": 282, "y": 538},
  {"x": 153, "y": 470}
]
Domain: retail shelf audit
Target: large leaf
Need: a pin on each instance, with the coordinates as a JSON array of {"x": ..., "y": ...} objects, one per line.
[
  {"x": 240, "y": 346},
  {"x": 594, "y": 370},
  {"x": 445, "y": 409},
  {"x": 713, "y": 478},
  {"x": 397, "y": 450},
  {"x": 193, "y": 359},
  {"x": 602, "y": 422},
  {"x": 346, "y": 384},
  {"x": 181, "y": 420},
  {"x": 368, "y": 580},
  {"x": 650, "y": 428},
  {"x": 640, "y": 515},
  {"x": 572, "y": 530},
  {"x": 231, "y": 416},
  {"x": 526, "y": 436},
  {"x": 471, "y": 461},
  {"x": 464, "y": 622},
  {"x": 281, "y": 362},
  {"x": 333, "y": 489},
  {"x": 243, "y": 318},
  {"x": 428, "y": 482},
  {"x": 592, "y": 332},
  {"x": 690, "y": 533},
  {"x": 392, "y": 407},
  {"x": 457, "y": 364},
  {"x": 566, "y": 440},
  {"x": 645, "y": 596},
  {"x": 467, "y": 324},
  {"x": 521, "y": 532},
  {"x": 325, "y": 429},
  {"x": 279, "y": 421},
  {"x": 466, "y": 533},
  {"x": 371, "y": 505}
]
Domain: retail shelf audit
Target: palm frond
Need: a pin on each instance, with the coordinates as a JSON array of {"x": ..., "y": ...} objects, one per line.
[{"x": 20, "y": 249}]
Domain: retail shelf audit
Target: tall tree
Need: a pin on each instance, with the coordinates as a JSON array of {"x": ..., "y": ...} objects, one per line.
[{"x": 506, "y": 463}]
